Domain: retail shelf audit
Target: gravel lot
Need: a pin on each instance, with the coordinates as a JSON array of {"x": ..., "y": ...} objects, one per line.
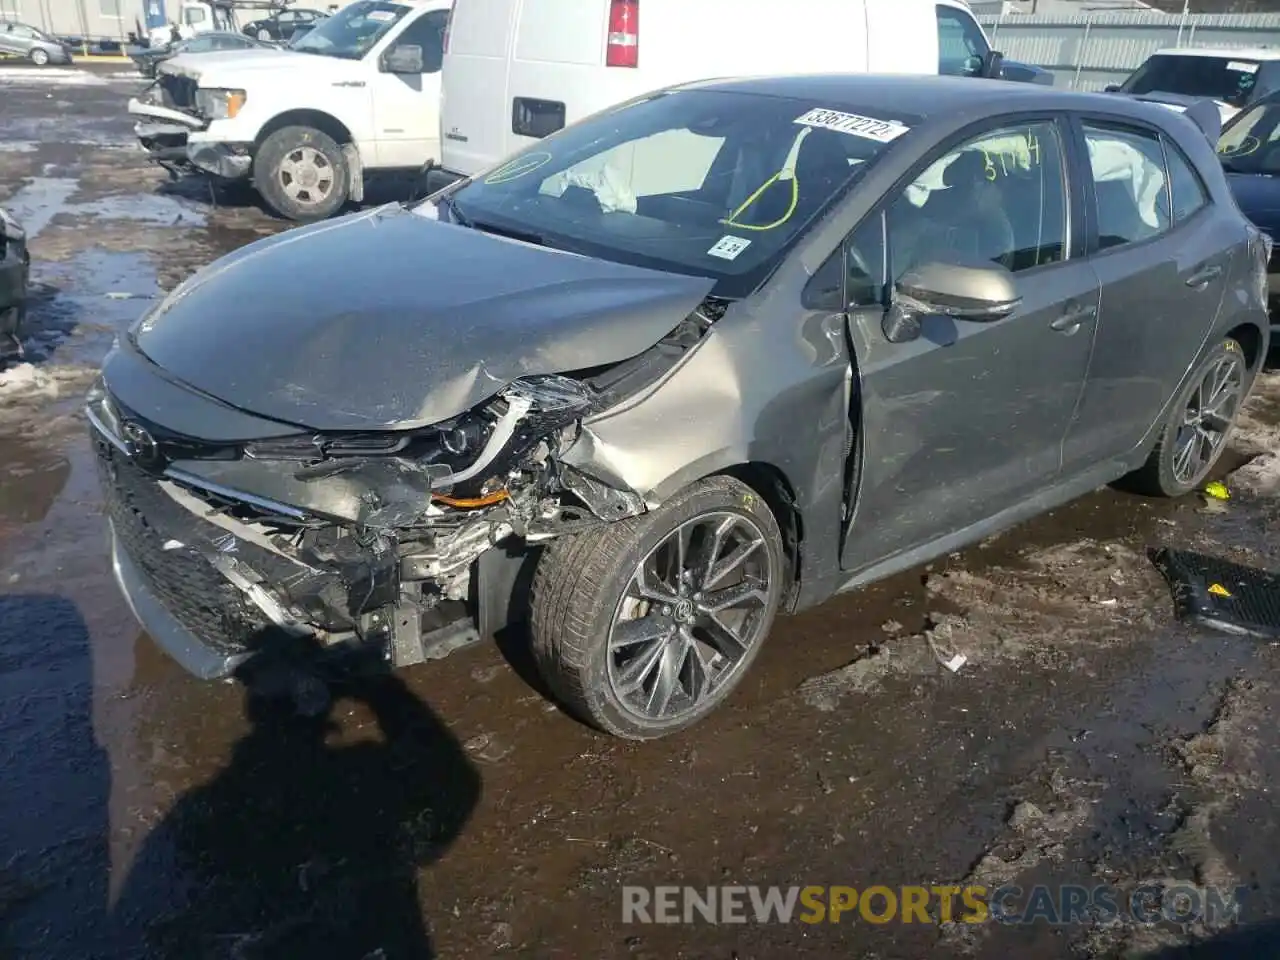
[{"x": 453, "y": 812}]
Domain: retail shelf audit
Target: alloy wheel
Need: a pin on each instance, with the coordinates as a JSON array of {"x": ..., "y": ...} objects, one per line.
[
  {"x": 1207, "y": 419},
  {"x": 306, "y": 176},
  {"x": 694, "y": 607}
]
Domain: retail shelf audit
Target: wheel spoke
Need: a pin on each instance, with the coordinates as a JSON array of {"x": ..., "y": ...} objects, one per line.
[
  {"x": 645, "y": 629},
  {"x": 667, "y": 677},
  {"x": 731, "y": 563},
  {"x": 727, "y": 641},
  {"x": 1182, "y": 456},
  {"x": 649, "y": 586},
  {"x": 748, "y": 591},
  {"x": 633, "y": 676}
]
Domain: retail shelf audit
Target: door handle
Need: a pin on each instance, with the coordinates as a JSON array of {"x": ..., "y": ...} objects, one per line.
[
  {"x": 1073, "y": 317},
  {"x": 1204, "y": 276}
]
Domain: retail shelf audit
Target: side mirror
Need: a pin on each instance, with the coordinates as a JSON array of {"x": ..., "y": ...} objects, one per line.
[
  {"x": 993, "y": 65},
  {"x": 978, "y": 291},
  {"x": 402, "y": 58},
  {"x": 1111, "y": 88}
]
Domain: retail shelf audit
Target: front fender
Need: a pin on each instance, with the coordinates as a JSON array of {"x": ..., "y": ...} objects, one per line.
[{"x": 753, "y": 392}]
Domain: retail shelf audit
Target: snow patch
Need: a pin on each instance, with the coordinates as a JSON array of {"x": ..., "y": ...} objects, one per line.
[{"x": 62, "y": 76}]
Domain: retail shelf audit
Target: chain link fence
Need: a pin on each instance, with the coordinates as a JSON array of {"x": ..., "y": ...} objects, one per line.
[{"x": 1087, "y": 52}]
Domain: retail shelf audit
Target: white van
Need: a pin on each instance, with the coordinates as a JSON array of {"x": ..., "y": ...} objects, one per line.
[{"x": 518, "y": 70}]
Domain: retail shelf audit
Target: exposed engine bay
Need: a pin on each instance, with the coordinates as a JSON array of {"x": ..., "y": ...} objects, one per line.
[{"x": 365, "y": 537}]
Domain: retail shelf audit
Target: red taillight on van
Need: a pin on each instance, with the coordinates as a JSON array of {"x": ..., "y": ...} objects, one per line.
[{"x": 624, "y": 34}]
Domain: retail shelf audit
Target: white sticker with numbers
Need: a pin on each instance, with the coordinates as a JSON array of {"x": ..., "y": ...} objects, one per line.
[
  {"x": 883, "y": 131},
  {"x": 1242, "y": 66},
  {"x": 728, "y": 248}
]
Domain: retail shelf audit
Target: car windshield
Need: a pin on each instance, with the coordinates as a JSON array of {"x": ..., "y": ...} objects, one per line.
[
  {"x": 1225, "y": 79},
  {"x": 1251, "y": 143},
  {"x": 352, "y": 32},
  {"x": 712, "y": 183}
]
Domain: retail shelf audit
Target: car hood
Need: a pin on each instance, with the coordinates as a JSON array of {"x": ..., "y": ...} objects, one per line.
[
  {"x": 235, "y": 68},
  {"x": 1258, "y": 197},
  {"x": 386, "y": 319}
]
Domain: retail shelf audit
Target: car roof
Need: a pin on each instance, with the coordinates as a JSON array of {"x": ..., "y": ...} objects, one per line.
[
  {"x": 929, "y": 96},
  {"x": 1238, "y": 53}
]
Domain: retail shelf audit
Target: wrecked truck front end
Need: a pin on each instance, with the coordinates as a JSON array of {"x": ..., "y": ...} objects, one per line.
[{"x": 173, "y": 117}]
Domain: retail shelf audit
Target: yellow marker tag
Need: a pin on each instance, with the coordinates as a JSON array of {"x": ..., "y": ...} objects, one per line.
[
  {"x": 1218, "y": 490},
  {"x": 1218, "y": 590}
]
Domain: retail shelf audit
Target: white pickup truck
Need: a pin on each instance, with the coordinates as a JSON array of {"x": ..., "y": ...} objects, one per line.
[{"x": 359, "y": 94}]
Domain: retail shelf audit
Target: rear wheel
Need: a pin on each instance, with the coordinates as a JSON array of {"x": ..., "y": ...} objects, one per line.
[
  {"x": 302, "y": 173},
  {"x": 644, "y": 626},
  {"x": 1198, "y": 426},
  {"x": 39, "y": 57}
]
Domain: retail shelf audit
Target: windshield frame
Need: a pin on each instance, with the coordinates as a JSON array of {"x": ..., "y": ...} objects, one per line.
[
  {"x": 729, "y": 285},
  {"x": 339, "y": 21}
]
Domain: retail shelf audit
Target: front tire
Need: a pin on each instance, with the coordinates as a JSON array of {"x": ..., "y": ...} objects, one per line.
[
  {"x": 302, "y": 174},
  {"x": 39, "y": 57},
  {"x": 644, "y": 626},
  {"x": 1198, "y": 427}
]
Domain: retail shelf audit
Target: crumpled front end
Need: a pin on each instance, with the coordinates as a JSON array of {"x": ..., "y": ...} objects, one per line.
[{"x": 411, "y": 540}]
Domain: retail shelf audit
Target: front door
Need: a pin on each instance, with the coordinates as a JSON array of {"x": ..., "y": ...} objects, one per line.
[
  {"x": 970, "y": 418},
  {"x": 1162, "y": 258},
  {"x": 406, "y": 108}
]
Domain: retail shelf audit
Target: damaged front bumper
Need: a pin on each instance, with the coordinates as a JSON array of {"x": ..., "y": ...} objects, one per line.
[
  {"x": 178, "y": 141},
  {"x": 354, "y": 553}
]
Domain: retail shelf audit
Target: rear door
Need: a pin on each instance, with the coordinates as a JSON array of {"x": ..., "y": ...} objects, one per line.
[
  {"x": 1162, "y": 257},
  {"x": 16, "y": 39},
  {"x": 475, "y": 112},
  {"x": 969, "y": 419}
]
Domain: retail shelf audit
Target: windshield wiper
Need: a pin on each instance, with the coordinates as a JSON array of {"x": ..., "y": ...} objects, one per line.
[{"x": 450, "y": 204}]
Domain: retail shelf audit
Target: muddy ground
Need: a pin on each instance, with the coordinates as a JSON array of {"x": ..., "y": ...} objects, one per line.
[{"x": 1089, "y": 739}]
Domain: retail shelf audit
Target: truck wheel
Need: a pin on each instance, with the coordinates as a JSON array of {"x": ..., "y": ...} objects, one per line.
[
  {"x": 39, "y": 57},
  {"x": 1198, "y": 426},
  {"x": 301, "y": 173},
  {"x": 644, "y": 626}
]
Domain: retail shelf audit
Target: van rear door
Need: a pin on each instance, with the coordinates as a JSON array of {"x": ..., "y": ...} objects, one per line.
[{"x": 474, "y": 108}]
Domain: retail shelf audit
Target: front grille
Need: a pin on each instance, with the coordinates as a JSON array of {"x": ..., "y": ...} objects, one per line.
[
  {"x": 180, "y": 92},
  {"x": 145, "y": 518}
]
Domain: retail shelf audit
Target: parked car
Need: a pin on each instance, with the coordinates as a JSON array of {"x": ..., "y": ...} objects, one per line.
[
  {"x": 148, "y": 59},
  {"x": 1233, "y": 77},
  {"x": 588, "y": 366},
  {"x": 282, "y": 25},
  {"x": 15, "y": 266},
  {"x": 1250, "y": 153},
  {"x": 515, "y": 72},
  {"x": 308, "y": 130},
  {"x": 22, "y": 40}
]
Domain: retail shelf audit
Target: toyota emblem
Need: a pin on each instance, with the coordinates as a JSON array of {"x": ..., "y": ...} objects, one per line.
[{"x": 138, "y": 443}]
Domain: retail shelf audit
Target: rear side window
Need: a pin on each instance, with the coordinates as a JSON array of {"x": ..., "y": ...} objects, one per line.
[
  {"x": 1186, "y": 191},
  {"x": 961, "y": 44},
  {"x": 1128, "y": 184}
]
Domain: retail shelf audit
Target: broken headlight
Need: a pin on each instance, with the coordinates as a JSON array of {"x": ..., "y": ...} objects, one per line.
[
  {"x": 220, "y": 104},
  {"x": 473, "y": 447}
]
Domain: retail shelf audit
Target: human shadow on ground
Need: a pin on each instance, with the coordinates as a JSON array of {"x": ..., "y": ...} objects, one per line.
[{"x": 309, "y": 842}]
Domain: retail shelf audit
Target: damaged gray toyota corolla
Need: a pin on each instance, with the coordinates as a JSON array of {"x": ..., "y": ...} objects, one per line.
[{"x": 722, "y": 351}]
